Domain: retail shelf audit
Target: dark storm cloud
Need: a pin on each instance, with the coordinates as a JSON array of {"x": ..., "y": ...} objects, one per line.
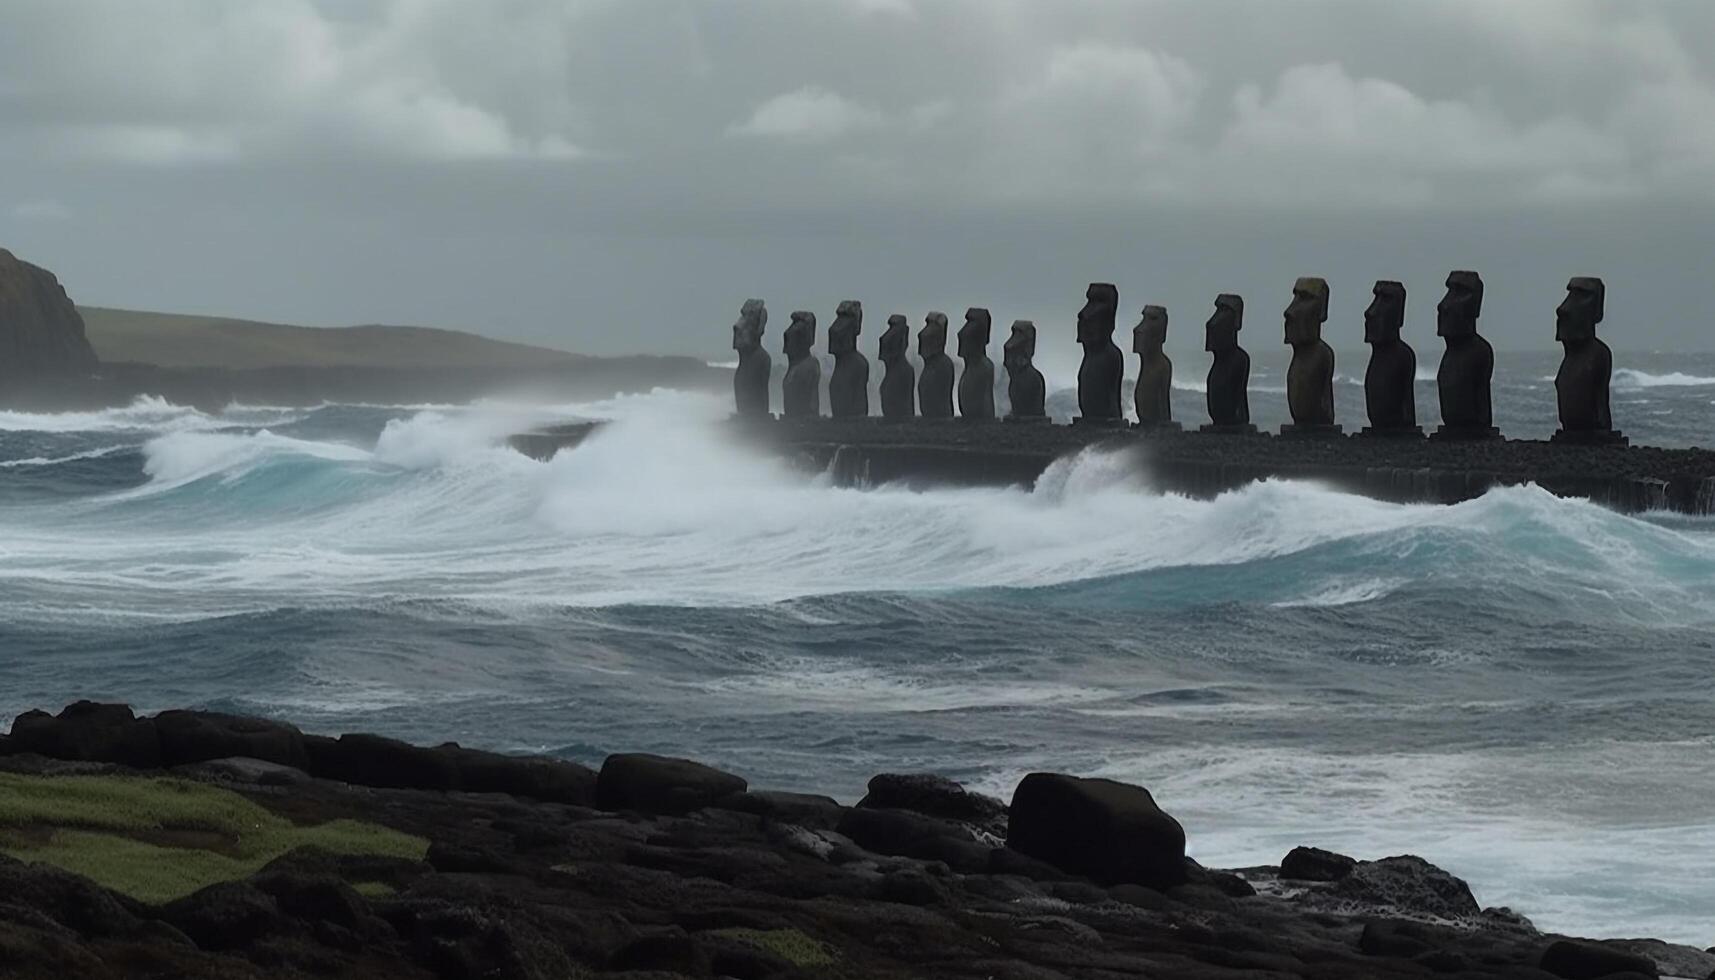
[{"x": 614, "y": 175}]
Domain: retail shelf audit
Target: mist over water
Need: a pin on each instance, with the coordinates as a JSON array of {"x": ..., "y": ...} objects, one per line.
[{"x": 1518, "y": 687}]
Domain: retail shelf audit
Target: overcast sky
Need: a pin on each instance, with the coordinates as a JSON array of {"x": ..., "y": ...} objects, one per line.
[{"x": 619, "y": 175}]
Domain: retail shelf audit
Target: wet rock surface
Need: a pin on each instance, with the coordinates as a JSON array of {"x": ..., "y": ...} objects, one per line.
[{"x": 667, "y": 868}]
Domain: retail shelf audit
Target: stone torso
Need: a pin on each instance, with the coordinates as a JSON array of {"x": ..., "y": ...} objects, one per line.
[
  {"x": 1154, "y": 395},
  {"x": 1099, "y": 379},
  {"x": 1026, "y": 392},
  {"x": 898, "y": 388},
  {"x": 1229, "y": 383},
  {"x": 750, "y": 382},
  {"x": 935, "y": 387},
  {"x": 1389, "y": 386},
  {"x": 1581, "y": 387},
  {"x": 848, "y": 386},
  {"x": 976, "y": 388},
  {"x": 1466, "y": 370},
  {"x": 1310, "y": 384},
  {"x": 802, "y": 397}
]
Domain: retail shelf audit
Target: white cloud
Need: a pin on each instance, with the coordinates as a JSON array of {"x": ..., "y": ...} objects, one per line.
[{"x": 808, "y": 115}]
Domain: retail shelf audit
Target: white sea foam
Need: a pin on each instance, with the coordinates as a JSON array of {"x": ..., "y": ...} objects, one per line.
[
  {"x": 57, "y": 460},
  {"x": 148, "y": 413},
  {"x": 1632, "y": 378}
]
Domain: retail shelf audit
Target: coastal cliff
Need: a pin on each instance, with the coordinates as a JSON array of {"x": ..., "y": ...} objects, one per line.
[{"x": 42, "y": 337}]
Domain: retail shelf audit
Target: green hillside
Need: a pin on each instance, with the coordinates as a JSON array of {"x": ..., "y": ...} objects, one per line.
[{"x": 175, "y": 340}]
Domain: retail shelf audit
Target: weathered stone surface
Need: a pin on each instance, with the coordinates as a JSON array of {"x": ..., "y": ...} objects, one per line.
[
  {"x": 659, "y": 784},
  {"x": 976, "y": 382},
  {"x": 1106, "y": 830},
  {"x": 1315, "y": 864},
  {"x": 1102, "y": 372},
  {"x": 935, "y": 383},
  {"x": 1390, "y": 381},
  {"x": 1408, "y": 885},
  {"x": 1228, "y": 388},
  {"x": 41, "y": 331},
  {"x": 1026, "y": 390},
  {"x": 1467, "y": 365},
  {"x": 1574, "y": 960},
  {"x": 1581, "y": 385},
  {"x": 899, "y": 383},
  {"x": 936, "y": 796},
  {"x": 1310, "y": 376},
  {"x": 1153, "y": 396},
  {"x": 848, "y": 386},
  {"x": 197, "y": 736},
  {"x": 755, "y": 369},
  {"x": 89, "y": 732},
  {"x": 801, "y": 391}
]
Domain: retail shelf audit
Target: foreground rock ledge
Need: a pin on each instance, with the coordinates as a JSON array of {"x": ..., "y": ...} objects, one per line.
[{"x": 534, "y": 868}]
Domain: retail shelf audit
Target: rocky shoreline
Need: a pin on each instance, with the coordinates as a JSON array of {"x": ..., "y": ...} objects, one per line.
[{"x": 211, "y": 845}]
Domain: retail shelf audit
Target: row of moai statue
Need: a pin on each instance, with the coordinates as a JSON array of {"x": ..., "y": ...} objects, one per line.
[{"x": 1463, "y": 380}]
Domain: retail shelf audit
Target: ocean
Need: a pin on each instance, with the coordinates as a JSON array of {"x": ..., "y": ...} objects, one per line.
[{"x": 1520, "y": 688}]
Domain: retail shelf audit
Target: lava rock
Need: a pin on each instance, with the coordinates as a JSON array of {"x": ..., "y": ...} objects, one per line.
[
  {"x": 1575, "y": 960},
  {"x": 1110, "y": 831},
  {"x": 1409, "y": 885},
  {"x": 537, "y": 777},
  {"x": 935, "y": 796},
  {"x": 1315, "y": 864},
  {"x": 89, "y": 732},
  {"x": 371, "y": 760},
  {"x": 199, "y": 736},
  {"x": 661, "y": 785},
  {"x": 901, "y": 833},
  {"x": 227, "y": 915}
]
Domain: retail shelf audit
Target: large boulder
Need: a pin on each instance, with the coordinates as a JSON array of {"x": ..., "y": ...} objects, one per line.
[
  {"x": 373, "y": 760},
  {"x": 89, "y": 732},
  {"x": 41, "y": 332},
  {"x": 1578, "y": 960},
  {"x": 936, "y": 796},
  {"x": 198, "y": 736},
  {"x": 1404, "y": 886},
  {"x": 662, "y": 785},
  {"x": 1109, "y": 831},
  {"x": 1315, "y": 864}
]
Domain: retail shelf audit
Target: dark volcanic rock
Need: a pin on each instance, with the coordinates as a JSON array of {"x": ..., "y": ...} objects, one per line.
[
  {"x": 1110, "y": 831},
  {"x": 658, "y": 784},
  {"x": 1315, "y": 864},
  {"x": 1409, "y": 885},
  {"x": 226, "y": 916},
  {"x": 198, "y": 736},
  {"x": 1576, "y": 960},
  {"x": 41, "y": 331},
  {"x": 904, "y": 834},
  {"x": 89, "y": 732},
  {"x": 936, "y": 796},
  {"x": 371, "y": 760}
]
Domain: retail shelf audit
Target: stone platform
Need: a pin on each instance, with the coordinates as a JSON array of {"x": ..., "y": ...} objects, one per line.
[{"x": 858, "y": 452}]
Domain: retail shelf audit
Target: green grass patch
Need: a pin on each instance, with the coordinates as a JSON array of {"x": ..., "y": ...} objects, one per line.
[
  {"x": 375, "y": 889},
  {"x": 160, "y": 839},
  {"x": 791, "y": 945}
]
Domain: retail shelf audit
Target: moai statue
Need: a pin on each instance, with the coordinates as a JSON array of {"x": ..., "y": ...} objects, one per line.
[
  {"x": 801, "y": 392},
  {"x": 1390, "y": 382},
  {"x": 1310, "y": 376},
  {"x": 1230, "y": 374},
  {"x": 1154, "y": 393},
  {"x": 976, "y": 382},
  {"x": 1581, "y": 386},
  {"x": 1026, "y": 391},
  {"x": 848, "y": 386},
  {"x": 899, "y": 383},
  {"x": 1103, "y": 371},
  {"x": 1467, "y": 366},
  {"x": 750, "y": 380},
  {"x": 935, "y": 384}
]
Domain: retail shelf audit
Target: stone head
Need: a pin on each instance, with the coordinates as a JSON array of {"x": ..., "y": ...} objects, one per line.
[
  {"x": 1151, "y": 331},
  {"x": 1020, "y": 346},
  {"x": 896, "y": 339},
  {"x": 1221, "y": 333},
  {"x": 974, "y": 335},
  {"x": 1581, "y": 310},
  {"x": 752, "y": 321},
  {"x": 1307, "y": 311},
  {"x": 1386, "y": 314},
  {"x": 800, "y": 334},
  {"x": 932, "y": 339},
  {"x": 1096, "y": 319},
  {"x": 1456, "y": 315},
  {"x": 843, "y": 332}
]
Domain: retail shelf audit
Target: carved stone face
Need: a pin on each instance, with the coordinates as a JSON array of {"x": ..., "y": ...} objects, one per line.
[
  {"x": 974, "y": 335},
  {"x": 932, "y": 339},
  {"x": 1456, "y": 314},
  {"x": 1221, "y": 333},
  {"x": 747, "y": 332},
  {"x": 1151, "y": 331},
  {"x": 1581, "y": 310},
  {"x": 1307, "y": 311},
  {"x": 896, "y": 339},
  {"x": 800, "y": 335},
  {"x": 1096, "y": 319},
  {"x": 843, "y": 332},
  {"x": 1386, "y": 315},
  {"x": 1020, "y": 347}
]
